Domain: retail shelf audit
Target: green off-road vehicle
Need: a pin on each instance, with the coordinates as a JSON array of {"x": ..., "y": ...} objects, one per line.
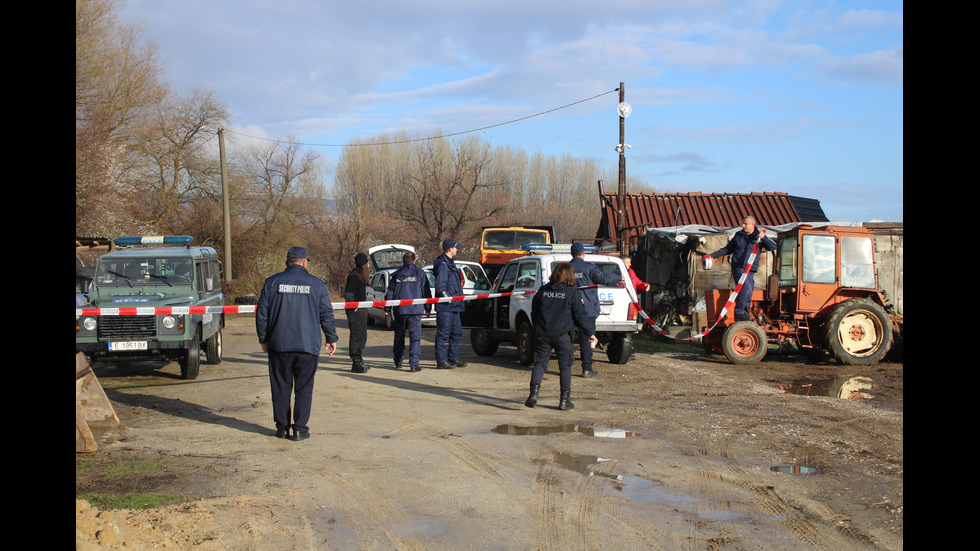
[{"x": 142, "y": 304}]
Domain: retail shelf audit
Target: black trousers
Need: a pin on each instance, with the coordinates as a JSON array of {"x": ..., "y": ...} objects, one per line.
[
  {"x": 357, "y": 323},
  {"x": 565, "y": 351},
  {"x": 292, "y": 373},
  {"x": 585, "y": 349}
]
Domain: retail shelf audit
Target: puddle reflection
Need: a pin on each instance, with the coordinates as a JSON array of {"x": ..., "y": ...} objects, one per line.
[
  {"x": 845, "y": 388},
  {"x": 569, "y": 427}
]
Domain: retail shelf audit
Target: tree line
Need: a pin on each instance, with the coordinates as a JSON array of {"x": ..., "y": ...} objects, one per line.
[{"x": 147, "y": 163}]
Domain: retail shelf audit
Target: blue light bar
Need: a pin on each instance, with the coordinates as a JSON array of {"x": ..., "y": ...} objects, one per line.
[
  {"x": 154, "y": 240},
  {"x": 555, "y": 248}
]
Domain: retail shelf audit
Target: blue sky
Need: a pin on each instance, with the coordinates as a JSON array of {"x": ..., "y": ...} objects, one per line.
[{"x": 799, "y": 97}]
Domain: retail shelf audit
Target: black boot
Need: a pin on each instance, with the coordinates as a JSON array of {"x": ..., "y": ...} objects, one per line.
[
  {"x": 533, "y": 398},
  {"x": 564, "y": 402}
]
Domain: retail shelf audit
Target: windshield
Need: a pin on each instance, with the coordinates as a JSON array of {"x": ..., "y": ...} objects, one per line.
[
  {"x": 512, "y": 240},
  {"x": 607, "y": 267},
  {"x": 142, "y": 271}
]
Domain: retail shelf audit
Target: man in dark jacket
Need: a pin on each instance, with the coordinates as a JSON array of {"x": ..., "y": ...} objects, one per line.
[
  {"x": 587, "y": 277},
  {"x": 408, "y": 283},
  {"x": 740, "y": 247},
  {"x": 556, "y": 309},
  {"x": 294, "y": 308},
  {"x": 448, "y": 327},
  {"x": 355, "y": 290}
]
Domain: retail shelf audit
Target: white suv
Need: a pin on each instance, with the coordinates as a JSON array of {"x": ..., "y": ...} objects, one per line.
[{"x": 508, "y": 319}]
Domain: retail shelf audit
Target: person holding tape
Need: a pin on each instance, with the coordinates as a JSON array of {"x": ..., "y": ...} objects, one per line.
[
  {"x": 740, "y": 248},
  {"x": 556, "y": 309},
  {"x": 408, "y": 283},
  {"x": 294, "y": 308},
  {"x": 449, "y": 330},
  {"x": 587, "y": 277},
  {"x": 355, "y": 290}
]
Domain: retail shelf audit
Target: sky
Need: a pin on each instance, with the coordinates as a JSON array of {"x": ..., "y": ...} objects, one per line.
[{"x": 802, "y": 97}]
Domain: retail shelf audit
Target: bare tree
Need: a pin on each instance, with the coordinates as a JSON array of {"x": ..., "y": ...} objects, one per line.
[
  {"x": 176, "y": 155},
  {"x": 117, "y": 82},
  {"x": 442, "y": 195}
]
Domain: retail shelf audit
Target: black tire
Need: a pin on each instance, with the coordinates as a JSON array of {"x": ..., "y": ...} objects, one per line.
[
  {"x": 190, "y": 364},
  {"x": 859, "y": 332},
  {"x": 620, "y": 348},
  {"x": 212, "y": 348},
  {"x": 483, "y": 342},
  {"x": 525, "y": 343},
  {"x": 744, "y": 343}
]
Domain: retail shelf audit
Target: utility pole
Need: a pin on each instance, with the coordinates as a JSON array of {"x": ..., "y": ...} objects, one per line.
[
  {"x": 226, "y": 207},
  {"x": 624, "y": 111}
]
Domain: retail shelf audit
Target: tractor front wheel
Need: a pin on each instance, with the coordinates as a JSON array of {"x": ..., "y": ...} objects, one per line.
[{"x": 744, "y": 343}]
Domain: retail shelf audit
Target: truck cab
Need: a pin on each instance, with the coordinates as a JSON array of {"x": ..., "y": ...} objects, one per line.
[{"x": 133, "y": 283}]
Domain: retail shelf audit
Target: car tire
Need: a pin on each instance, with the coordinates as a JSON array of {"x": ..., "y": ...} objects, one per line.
[
  {"x": 483, "y": 342},
  {"x": 212, "y": 348},
  {"x": 190, "y": 363},
  {"x": 620, "y": 348},
  {"x": 525, "y": 343}
]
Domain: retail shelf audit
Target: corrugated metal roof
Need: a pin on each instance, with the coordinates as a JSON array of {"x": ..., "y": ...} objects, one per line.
[{"x": 727, "y": 210}]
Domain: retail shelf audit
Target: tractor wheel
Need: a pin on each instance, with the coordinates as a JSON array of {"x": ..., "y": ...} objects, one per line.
[
  {"x": 744, "y": 343},
  {"x": 483, "y": 342},
  {"x": 859, "y": 332}
]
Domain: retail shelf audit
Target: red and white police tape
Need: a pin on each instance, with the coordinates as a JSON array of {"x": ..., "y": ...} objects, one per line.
[{"x": 250, "y": 309}]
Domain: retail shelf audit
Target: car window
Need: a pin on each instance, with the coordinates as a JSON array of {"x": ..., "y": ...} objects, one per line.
[
  {"x": 607, "y": 267},
  {"x": 508, "y": 279},
  {"x": 473, "y": 280},
  {"x": 527, "y": 275},
  {"x": 378, "y": 283},
  {"x": 144, "y": 271}
]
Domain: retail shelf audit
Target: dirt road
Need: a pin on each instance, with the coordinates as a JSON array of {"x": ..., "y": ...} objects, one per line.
[{"x": 672, "y": 451}]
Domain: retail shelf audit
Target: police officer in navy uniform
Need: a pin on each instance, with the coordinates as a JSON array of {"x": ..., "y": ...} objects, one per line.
[
  {"x": 408, "y": 282},
  {"x": 556, "y": 309},
  {"x": 293, "y": 310},
  {"x": 449, "y": 329},
  {"x": 587, "y": 276},
  {"x": 740, "y": 247}
]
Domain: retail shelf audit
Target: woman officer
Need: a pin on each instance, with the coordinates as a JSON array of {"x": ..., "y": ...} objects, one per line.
[{"x": 557, "y": 309}]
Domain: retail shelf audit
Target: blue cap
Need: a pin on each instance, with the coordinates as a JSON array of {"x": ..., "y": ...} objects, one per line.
[
  {"x": 577, "y": 248},
  {"x": 449, "y": 243},
  {"x": 296, "y": 253}
]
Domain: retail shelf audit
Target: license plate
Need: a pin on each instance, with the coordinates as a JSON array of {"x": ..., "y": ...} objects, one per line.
[
  {"x": 127, "y": 345},
  {"x": 605, "y": 309}
]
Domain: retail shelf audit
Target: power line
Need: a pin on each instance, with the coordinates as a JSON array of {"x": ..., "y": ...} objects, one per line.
[{"x": 431, "y": 137}]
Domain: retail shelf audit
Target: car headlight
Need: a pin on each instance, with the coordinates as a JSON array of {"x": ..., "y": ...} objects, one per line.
[
  {"x": 89, "y": 324},
  {"x": 169, "y": 322}
]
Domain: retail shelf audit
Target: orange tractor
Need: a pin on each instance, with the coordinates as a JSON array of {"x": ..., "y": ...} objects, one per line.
[{"x": 823, "y": 295}]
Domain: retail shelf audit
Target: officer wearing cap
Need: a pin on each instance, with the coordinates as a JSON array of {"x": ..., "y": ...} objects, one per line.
[
  {"x": 293, "y": 309},
  {"x": 449, "y": 329},
  {"x": 408, "y": 283},
  {"x": 587, "y": 277}
]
